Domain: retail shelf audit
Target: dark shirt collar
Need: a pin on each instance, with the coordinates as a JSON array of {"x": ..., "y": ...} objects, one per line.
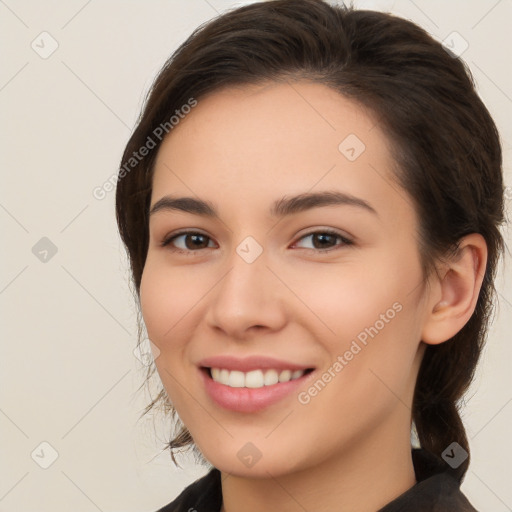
[{"x": 437, "y": 490}]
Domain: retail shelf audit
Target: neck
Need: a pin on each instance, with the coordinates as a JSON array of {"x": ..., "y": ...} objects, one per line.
[{"x": 361, "y": 479}]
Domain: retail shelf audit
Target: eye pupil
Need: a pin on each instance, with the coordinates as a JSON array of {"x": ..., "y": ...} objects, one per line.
[
  {"x": 324, "y": 238},
  {"x": 198, "y": 241}
]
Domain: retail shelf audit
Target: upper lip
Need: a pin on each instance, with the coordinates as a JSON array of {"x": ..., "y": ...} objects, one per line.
[{"x": 250, "y": 363}]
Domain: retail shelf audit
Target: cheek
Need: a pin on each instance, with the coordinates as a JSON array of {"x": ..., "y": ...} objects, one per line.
[
  {"x": 342, "y": 301},
  {"x": 167, "y": 296},
  {"x": 366, "y": 314},
  {"x": 167, "y": 299}
]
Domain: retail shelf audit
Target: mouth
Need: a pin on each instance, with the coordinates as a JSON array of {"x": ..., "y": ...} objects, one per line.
[
  {"x": 254, "y": 379},
  {"x": 253, "y": 384}
]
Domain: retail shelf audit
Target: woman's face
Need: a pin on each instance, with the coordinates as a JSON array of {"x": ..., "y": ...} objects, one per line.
[{"x": 293, "y": 256}]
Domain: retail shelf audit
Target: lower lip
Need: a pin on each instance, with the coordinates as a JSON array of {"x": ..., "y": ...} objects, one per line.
[{"x": 250, "y": 399}]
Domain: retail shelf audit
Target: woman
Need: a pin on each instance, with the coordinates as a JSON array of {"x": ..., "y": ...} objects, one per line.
[{"x": 311, "y": 204}]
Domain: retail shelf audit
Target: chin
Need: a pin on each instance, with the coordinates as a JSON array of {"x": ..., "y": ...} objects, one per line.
[{"x": 252, "y": 462}]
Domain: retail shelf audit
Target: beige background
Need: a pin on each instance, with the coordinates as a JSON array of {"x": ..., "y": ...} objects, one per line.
[{"x": 69, "y": 377}]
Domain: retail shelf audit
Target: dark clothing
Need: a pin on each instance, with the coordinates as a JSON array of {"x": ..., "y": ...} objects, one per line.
[{"x": 436, "y": 490}]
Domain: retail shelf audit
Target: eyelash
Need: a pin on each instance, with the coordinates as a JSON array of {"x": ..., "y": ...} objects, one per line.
[{"x": 345, "y": 241}]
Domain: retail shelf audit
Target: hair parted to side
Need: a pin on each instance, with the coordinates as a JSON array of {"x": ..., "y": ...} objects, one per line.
[{"x": 445, "y": 144}]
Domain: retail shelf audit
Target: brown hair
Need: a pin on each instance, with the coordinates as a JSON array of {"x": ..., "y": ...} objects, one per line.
[{"x": 445, "y": 144}]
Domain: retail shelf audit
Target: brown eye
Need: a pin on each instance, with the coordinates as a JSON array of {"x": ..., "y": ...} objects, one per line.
[
  {"x": 324, "y": 241},
  {"x": 196, "y": 241},
  {"x": 190, "y": 241}
]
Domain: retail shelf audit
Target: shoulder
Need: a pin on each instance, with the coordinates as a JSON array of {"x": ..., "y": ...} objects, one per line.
[{"x": 203, "y": 495}]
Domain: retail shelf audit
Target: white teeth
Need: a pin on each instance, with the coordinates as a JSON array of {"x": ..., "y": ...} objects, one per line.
[
  {"x": 271, "y": 377},
  {"x": 255, "y": 378},
  {"x": 285, "y": 376},
  {"x": 223, "y": 376},
  {"x": 296, "y": 374},
  {"x": 236, "y": 379}
]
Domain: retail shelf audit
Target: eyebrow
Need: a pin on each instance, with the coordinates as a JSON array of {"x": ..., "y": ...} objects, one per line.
[{"x": 280, "y": 208}]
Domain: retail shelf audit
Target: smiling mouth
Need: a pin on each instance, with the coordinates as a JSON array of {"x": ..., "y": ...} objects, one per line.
[{"x": 253, "y": 379}]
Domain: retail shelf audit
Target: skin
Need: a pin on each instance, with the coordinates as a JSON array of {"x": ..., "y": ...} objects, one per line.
[{"x": 242, "y": 149}]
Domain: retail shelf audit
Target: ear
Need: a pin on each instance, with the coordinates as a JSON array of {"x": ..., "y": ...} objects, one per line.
[{"x": 454, "y": 291}]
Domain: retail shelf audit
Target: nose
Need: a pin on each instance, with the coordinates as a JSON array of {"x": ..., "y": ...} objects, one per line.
[{"x": 248, "y": 300}]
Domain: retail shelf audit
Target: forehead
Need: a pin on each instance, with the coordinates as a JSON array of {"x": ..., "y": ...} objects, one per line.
[
  {"x": 287, "y": 120},
  {"x": 275, "y": 138}
]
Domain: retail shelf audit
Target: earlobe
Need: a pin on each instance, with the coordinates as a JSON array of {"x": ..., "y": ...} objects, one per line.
[{"x": 455, "y": 291}]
